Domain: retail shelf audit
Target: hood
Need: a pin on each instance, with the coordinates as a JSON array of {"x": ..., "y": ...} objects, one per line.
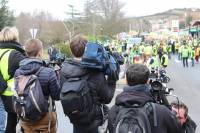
[
  {"x": 138, "y": 94},
  {"x": 12, "y": 45},
  {"x": 29, "y": 66},
  {"x": 72, "y": 68}
]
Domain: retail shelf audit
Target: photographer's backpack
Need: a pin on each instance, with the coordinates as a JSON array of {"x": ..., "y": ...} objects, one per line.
[
  {"x": 136, "y": 119},
  {"x": 76, "y": 98},
  {"x": 30, "y": 103}
]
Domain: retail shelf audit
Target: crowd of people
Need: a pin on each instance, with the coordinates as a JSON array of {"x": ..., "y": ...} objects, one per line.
[
  {"x": 161, "y": 51},
  {"x": 88, "y": 110}
]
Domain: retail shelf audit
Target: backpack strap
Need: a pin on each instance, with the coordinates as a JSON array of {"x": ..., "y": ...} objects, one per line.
[
  {"x": 151, "y": 113},
  {"x": 39, "y": 70},
  {"x": 50, "y": 110}
]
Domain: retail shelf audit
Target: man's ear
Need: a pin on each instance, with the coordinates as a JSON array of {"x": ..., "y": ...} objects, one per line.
[
  {"x": 126, "y": 82},
  {"x": 40, "y": 53},
  {"x": 148, "y": 81}
]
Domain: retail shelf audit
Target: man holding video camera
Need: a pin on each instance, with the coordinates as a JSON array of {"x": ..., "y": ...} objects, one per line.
[
  {"x": 135, "y": 97},
  {"x": 87, "y": 114}
]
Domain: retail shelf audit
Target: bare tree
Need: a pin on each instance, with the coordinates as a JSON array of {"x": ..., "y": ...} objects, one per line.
[
  {"x": 104, "y": 16},
  {"x": 23, "y": 23},
  {"x": 49, "y": 30}
]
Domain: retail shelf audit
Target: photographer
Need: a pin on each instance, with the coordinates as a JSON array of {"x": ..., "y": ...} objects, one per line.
[
  {"x": 181, "y": 111},
  {"x": 101, "y": 90},
  {"x": 137, "y": 95},
  {"x": 49, "y": 85}
]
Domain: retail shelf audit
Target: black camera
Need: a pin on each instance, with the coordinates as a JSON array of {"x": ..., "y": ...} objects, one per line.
[{"x": 159, "y": 92}]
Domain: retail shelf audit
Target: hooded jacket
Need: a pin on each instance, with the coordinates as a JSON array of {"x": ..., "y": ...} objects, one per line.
[
  {"x": 140, "y": 94},
  {"x": 47, "y": 76},
  {"x": 102, "y": 92}
]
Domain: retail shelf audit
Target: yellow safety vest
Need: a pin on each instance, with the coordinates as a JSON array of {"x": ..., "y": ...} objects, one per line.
[
  {"x": 166, "y": 59},
  {"x": 4, "y": 72},
  {"x": 148, "y": 50}
]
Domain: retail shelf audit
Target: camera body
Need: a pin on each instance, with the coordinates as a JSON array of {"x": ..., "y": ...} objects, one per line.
[
  {"x": 159, "y": 90},
  {"x": 100, "y": 58}
]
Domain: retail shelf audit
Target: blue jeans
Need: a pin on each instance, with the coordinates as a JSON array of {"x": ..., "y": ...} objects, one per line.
[
  {"x": 192, "y": 59},
  {"x": 3, "y": 117}
]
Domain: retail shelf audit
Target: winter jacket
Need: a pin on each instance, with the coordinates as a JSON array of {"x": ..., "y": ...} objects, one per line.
[
  {"x": 102, "y": 92},
  {"x": 189, "y": 126},
  {"x": 140, "y": 94},
  {"x": 47, "y": 76},
  {"x": 15, "y": 57}
]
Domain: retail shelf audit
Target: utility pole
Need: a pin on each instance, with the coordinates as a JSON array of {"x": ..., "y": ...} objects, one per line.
[
  {"x": 73, "y": 12},
  {"x": 93, "y": 27}
]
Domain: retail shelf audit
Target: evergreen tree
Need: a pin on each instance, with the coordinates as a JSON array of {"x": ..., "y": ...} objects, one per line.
[{"x": 6, "y": 16}]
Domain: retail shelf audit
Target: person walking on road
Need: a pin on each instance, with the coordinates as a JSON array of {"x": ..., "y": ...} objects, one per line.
[
  {"x": 164, "y": 60},
  {"x": 101, "y": 91},
  {"x": 11, "y": 52},
  {"x": 49, "y": 84},
  {"x": 192, "y": 56},
  {"x": 185, "y": 55},
  {"x": 137, "y": 94}
]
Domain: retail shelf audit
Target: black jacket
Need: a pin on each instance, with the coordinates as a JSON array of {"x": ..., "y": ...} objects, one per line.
[
  {"x": 139, "y": 94},
  {"x": 102, "y": 91},
  {"x": 15, "y": 57},
  {"x": 189, "y": 126},
  {"x": 47, "y": 76}
]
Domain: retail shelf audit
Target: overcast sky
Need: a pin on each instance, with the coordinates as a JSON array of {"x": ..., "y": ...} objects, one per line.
[{"x": 132, "y": 7}]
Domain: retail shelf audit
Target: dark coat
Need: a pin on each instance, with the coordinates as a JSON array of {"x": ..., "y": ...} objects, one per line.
[
  {"x": 16, "y": 55},
  {"x": 102, "y": 91},
  {"x": 47, "y": 76},
  {"x": 189, "y": 126},
  {"x": 139, "y": 94}
]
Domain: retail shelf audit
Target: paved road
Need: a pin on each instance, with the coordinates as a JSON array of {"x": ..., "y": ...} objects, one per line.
[{"x": 185, "y": 81}]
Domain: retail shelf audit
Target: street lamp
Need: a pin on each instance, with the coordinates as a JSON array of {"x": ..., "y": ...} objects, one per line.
[{"x": 185, "y": 20}]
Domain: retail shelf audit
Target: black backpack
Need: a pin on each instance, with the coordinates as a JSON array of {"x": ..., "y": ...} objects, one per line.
[
  {"x": 76, "y": 98},
  {"x": 136, "y": 119},
  {"x": 30, "y": 103}
]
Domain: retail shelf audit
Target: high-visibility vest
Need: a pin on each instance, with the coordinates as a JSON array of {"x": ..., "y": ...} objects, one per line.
[
  {"x": 166, "y": 59},
  {"x": 141, "y": 49},
  {"x": 148, "y": 50},
  {"x": 4, "y": 72},
  {"x": 155, "y": 50},
  {"x": 192, "y": 54},
  {"x": 155, "y": 63},
  {"x": 185, "y": 52}
]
